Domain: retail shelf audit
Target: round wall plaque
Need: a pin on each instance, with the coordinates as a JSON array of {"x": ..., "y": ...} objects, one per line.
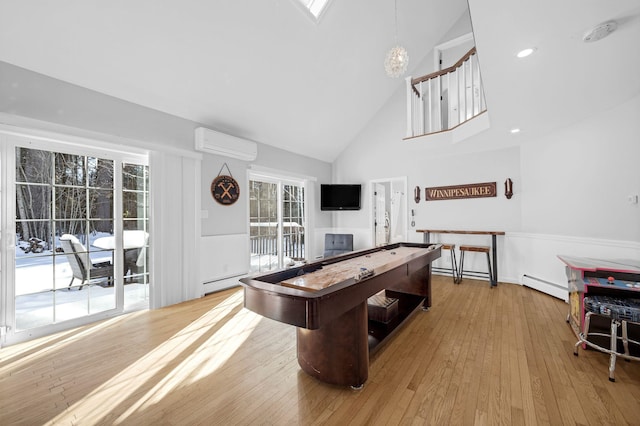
[{"x": 225, "y": 190}]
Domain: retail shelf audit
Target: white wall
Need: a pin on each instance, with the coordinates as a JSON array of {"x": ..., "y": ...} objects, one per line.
[
  {"x": 26, "y": 93},
  {"x": 228, "y": 224},
  {"x": 179, "y": 197},
  {"x": 232, "y": 219},
  {"x": 570, "y": 187},
  {"x": 577, "y": 180},
  {"x": 379, "y": 152}
]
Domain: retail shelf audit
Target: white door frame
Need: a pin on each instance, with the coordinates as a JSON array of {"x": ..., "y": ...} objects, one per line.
[
  {"x": 437, "y": 51},
  {"x": 48, "y": 141},
  {"x": 398, "y": 220}
]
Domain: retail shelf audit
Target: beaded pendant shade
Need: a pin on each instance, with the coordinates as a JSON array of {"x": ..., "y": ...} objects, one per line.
[{"x": 397, "y": 59}]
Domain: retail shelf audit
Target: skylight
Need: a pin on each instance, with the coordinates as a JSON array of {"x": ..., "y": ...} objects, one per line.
[{"x": 315, "y": 7}]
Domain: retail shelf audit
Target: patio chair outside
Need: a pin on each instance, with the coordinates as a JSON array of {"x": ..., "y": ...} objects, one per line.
[{"x": 81, "y": 265}]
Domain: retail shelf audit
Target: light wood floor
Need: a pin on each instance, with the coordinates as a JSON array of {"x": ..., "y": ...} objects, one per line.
[{"x": 479, "y": 356}]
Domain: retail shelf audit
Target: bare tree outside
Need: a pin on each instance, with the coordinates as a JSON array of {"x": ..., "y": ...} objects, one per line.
[
  {"x": 264, "y": 223},
  {"x": 58, "y": 193}
]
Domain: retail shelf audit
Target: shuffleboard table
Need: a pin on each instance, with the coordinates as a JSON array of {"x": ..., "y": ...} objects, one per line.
[{"x": 328, "y": 301}]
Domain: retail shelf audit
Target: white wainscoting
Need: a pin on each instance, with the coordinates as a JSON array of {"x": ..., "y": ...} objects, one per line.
[
  {"x": 532, "y": 259},
  {"x": 523, "y": 258},
  {"x": 224, "y": 259},
  {"x": 527, "y": 258}
]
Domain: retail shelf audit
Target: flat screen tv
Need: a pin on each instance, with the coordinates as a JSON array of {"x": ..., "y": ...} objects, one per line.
[{"x": 340, "y": 196}]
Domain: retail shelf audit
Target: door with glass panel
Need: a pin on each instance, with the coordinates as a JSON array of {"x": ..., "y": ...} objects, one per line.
[
  {"x": 81, "y": 226},
  {"x": 277, "y": 223}
]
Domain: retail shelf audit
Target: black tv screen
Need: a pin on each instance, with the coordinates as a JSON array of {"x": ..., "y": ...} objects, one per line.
[{"x": 340, "y": 197}]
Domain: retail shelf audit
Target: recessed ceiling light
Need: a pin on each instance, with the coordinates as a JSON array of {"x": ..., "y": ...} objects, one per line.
[
  {"x": 515, "y": 130},
  {"x": 526, "y": 52}
]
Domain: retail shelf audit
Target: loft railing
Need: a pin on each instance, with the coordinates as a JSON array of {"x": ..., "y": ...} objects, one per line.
[{"x": 445, "y": 99}]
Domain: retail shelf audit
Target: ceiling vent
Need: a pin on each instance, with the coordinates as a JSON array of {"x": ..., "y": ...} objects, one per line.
[
  {"x": 599, "y": 32},
  {"x": 213, "y": 142}
]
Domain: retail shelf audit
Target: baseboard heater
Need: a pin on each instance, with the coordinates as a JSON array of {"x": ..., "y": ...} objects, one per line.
[
  {"x": 222, "y": 283},
  {"x": 547, "y": 287}
]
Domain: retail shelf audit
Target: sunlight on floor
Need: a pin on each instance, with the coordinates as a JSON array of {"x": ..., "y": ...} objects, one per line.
[
  {"x": 14, "y": 357},
  {"x": 206, "y": 358},
  {"x": 193, "y": 353}
]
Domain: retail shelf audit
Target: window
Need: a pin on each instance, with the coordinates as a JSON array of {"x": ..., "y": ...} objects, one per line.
[
  {"x": 135, "y": 234},
  {"x": 62, "y": 202},
  {"x": 315, "y": 7}
]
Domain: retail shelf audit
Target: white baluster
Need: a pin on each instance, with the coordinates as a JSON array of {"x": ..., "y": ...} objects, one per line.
[
  {"x": 418, "y": 119},
  {"x": 458, "y": 82},
  {"x": 409, "y": 132},
  {"x": 473, "y": 85},
  {"x": 439, "y": 104},
  {"x": 449, "y": 102},
  {"x": 429, "y": 106},
  {"x": 466, "y": 91},
  {"x": 449, "y": 106},
  {"x": 421, "y": 110}
]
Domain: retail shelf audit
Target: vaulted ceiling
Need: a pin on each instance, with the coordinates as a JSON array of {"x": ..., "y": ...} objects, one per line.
[{"x": 265, "y": 71}]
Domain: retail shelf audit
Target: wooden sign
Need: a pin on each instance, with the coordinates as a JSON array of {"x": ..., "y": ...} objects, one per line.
[
  {"x": 454, "y": 192},
  {"x": 225, "y": 190}
]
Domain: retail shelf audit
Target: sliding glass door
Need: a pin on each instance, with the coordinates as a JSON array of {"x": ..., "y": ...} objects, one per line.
[
  {"x": 81, "y": 236},
  {"x": 276, "y": 221}
]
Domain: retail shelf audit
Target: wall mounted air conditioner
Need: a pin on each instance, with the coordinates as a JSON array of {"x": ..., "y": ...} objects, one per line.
[{"x": 213, "y": 142}]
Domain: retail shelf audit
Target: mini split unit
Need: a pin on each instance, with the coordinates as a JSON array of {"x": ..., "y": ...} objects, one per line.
[{"x": 213, "y": 142}]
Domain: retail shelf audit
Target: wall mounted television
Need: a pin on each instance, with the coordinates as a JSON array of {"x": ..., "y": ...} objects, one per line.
[{"x": 340, "y": 196}]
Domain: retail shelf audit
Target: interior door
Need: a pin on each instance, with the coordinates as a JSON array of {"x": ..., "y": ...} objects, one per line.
[
  {"x": 389, "y": 210},
  {"x": 381, "y": 217},
  {"x": 449, "y": 89}
]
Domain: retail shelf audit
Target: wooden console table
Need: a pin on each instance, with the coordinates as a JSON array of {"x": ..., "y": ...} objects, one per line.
[{"x": 494, "y": 244}]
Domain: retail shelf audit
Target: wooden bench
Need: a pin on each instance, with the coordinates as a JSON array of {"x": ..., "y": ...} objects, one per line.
[{"x": 475, "y": 249}]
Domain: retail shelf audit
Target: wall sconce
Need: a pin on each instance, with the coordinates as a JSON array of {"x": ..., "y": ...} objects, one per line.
[
  {"x": 508, "y": 188},
  {"x": 416, "y": 194}
]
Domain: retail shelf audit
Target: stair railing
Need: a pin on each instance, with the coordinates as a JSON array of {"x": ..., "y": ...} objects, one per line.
[{"x": 443, "y": 100}]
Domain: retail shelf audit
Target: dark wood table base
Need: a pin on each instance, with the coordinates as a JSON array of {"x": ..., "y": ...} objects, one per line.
[
  {"x": 337, "y": 353},
  {"x": 327, "y": 301}
]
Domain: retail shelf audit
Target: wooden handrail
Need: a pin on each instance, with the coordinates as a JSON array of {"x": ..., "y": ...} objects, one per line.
[
  {"x": 428, "y": 112},
  {"x": 452, "y": 68}
]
